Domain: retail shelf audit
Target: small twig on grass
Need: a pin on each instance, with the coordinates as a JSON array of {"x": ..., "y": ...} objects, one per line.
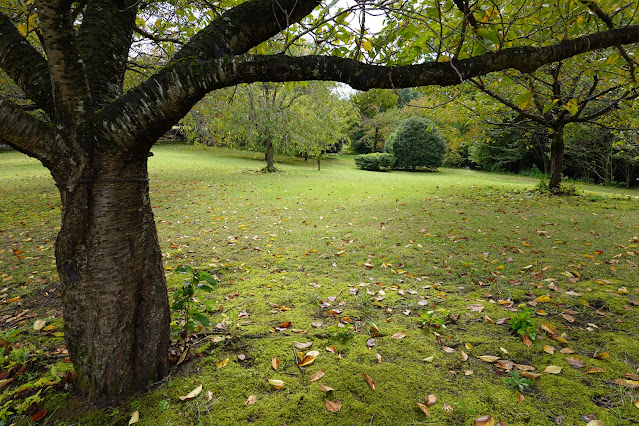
[{"x": 296, "y": 360}]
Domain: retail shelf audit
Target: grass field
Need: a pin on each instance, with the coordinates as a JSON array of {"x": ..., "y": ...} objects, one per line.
[{"x": 350, "y": 259}]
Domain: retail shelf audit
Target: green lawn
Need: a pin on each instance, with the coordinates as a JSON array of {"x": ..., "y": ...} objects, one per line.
[{"x": 371, "y": 250}]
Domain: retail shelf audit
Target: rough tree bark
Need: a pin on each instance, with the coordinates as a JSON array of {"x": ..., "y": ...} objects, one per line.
[
  {"x": 95, "y": 140},
  {"x": 114, "y": 290},
  {"x": 556, "y": 157},
  {"x": 269, "y": 157}
]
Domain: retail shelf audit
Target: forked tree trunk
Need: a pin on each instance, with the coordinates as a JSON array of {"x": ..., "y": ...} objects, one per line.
[
  {"x": 114, "y": 294},
  {"x": 556, "y": 157}
]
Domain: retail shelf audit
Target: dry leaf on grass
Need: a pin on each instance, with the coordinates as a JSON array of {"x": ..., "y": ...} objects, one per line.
[
  {"x": 431, "y": 400},
  {"x": 252, "y": 399},
  {"x": 317, "y": 375},
  {"x": 275, "y": 363},
  {"x": 333, "y": 406},
  {"x": 277, "y": 384},
  {"x": 370, "y": 381},
  {"x": 552, "y": 369},
  {"x": 424, "y": 408},
  {"x": 485, "y": 421},
  {"x": 399, "y": 335},
  {"x": 325, "y": 388},
  {"x": 195, "y": 392}
]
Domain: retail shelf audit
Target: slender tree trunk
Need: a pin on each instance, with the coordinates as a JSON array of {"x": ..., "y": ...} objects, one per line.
[
  {"x": 270, "y": 158},
  {"x": 116, "y": 310},
  {"x": 318, "y": 163},
  {"x": 556, "y": 157}
]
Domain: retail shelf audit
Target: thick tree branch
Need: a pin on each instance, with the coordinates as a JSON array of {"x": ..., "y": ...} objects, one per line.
[
  {"x": 244, "y": 27},
  {"x": 26, "y": 133},
  {"x": 70, "y": 87},
  {"x": 105, "y": 48},
  {"x": 26, "y": 67},
  {"x": 144, "y": 114}
]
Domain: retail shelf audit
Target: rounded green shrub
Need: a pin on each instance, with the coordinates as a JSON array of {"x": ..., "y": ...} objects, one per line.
[
  {"x": 416, "y": 144},
  {"x": 376, "y": 161}
]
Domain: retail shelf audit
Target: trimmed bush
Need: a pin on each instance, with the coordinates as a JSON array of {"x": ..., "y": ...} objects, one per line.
[
  {"x": 376, "y": 161},
  {"x": 416, "y": 144}
]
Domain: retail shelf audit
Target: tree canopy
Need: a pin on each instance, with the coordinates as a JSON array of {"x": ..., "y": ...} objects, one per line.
[{"x": 69, "y": 59}]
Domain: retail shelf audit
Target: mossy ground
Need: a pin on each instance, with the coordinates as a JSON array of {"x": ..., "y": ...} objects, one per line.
[{"x": 380, "y": 248}]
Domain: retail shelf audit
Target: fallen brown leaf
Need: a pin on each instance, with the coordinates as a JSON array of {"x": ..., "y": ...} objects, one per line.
[
  {"x": 252, "y": 399},
  {"x": 317, "y": 375},
  {"x": 333, "y": 406},
  {"x": 370, "y": 381}
]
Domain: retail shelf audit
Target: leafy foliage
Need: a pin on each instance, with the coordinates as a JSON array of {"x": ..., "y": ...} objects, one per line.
[
  {"x": 416, "y": 144},
  {"x": 521, "y": 323},
  {"x": 515, "y": 381},
  {"x": 192, "y": 312},
  {"x": 376, "y": 161}
]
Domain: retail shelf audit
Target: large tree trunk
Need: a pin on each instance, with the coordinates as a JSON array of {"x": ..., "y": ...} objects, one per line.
[
  {"x": 116, "y": 311},
  {"x": 270, "y": 158},
  {"x": 556, "y": 157}
]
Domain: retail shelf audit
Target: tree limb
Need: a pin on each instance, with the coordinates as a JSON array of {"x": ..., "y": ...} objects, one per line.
[
  {"x": 25, "y": 66},
  {"x": 245, "y": 26},
  {"x": 70, "y": 87},
  {"x": 105, "y": 48},
  {"x": 26, "y": 133},
  {"x": 144, "y": 114}
]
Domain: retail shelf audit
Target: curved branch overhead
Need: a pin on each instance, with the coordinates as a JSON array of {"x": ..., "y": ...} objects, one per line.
[{"x": 146, "y": 113}]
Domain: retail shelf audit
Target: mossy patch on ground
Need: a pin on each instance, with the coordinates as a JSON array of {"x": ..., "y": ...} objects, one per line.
[{"x": 344, "y": 246}]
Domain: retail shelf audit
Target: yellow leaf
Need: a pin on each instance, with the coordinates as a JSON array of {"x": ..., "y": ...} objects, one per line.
[
  {"x": 488, "y": 358},
  {"x": 485, "y": 421},
  {"x": 636, "y": 403},
  {"x": 367, "y": 45},
  {"x": 195, "y": 392},
  {"x": 543, "y": 299},
  {"x": 135, "y": 417},
  {"x": 631, "y": 384},
  {"x": 275, "y": 362},
  {"x": 603, "y": 355},
  {"x": 552, "y": 369},
  {"x": 277, "y": 384},
  {"x": 252, "y": 399},
  {"x": 595, "y": 370},
  {"x": 549, "y": 349},
  {"x": 307, "y": 360},
  {"x": 424, "y": 408},
  {"x": 223, "y": 363},
  {"x": 429, "y": 358}
]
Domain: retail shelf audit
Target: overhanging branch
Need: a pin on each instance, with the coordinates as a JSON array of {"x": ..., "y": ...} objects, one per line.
[{"x": 144, "y": 114}]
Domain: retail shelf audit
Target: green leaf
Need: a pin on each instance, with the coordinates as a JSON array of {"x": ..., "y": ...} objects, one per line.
[
  {"x": 523, "y": 100},
  {"x": 183, "y": 269},
  {"x": 202, "y": 319},
  {"x": 205, "y": 276}
]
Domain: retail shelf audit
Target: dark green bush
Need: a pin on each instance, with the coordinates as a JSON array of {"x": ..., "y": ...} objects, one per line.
[
  {"x": 415, "y": 144},
  {"x": 376, "y": 161}
]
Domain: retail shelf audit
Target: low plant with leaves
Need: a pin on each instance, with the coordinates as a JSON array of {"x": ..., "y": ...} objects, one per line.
[
  {"x": 518, "y": 382},
  {"x": 522, "y": 324},
  {"x": 341, "y": 333},
  {"x": 191, "y": 310},
  {"x": 430, "y": 318}
]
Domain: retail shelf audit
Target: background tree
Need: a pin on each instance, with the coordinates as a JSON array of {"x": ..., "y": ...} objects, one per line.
[
  {"x": 416, "y": 144},
  {"x": 95, "y": 138}
]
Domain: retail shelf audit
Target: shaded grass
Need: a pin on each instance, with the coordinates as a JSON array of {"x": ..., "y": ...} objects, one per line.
[{"x": 380, "y": 247}]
